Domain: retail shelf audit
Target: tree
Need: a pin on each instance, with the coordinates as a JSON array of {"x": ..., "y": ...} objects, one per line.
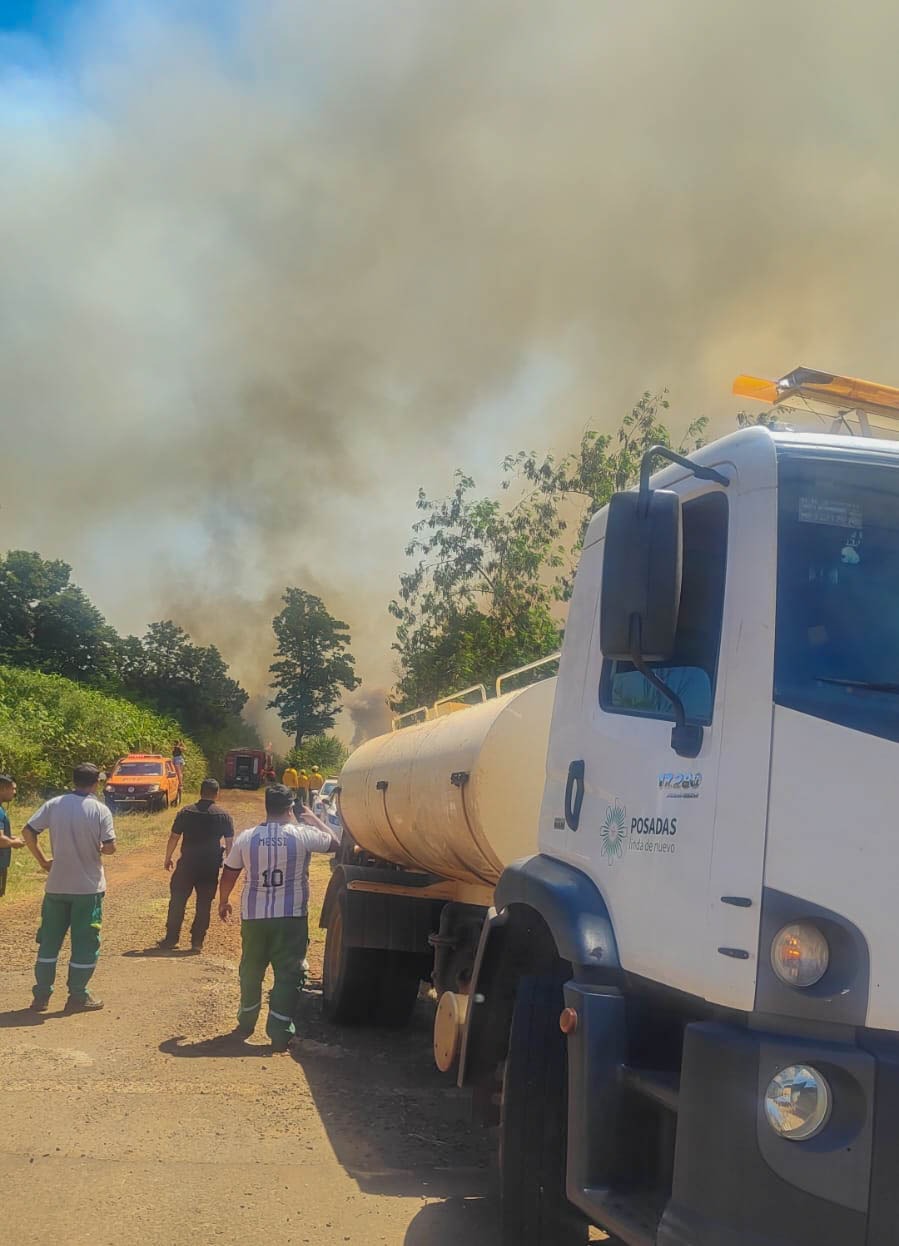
[
  {"x": 478, "y": 600},
  {"x": 324, "y": 751},
  {"x": 483, "y": 596},
  {"x": 48, "y": 623},
  {"x": 173, "y": 675},
  {"x": 603, "y": 464},
  {"x": 313, "y": 664}
]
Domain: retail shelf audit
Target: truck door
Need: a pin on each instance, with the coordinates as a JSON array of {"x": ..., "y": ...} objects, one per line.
[{"x": 666, "y": 837}]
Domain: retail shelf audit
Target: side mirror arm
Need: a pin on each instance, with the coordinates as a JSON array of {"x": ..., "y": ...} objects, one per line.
[
  {"x": 663, "y": 452},
  {"x": 686, "y": 738}
]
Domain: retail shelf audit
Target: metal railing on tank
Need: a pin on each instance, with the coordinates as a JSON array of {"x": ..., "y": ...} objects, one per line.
[
  {"x": 543, "y": 668},
  {"x": 551, "y": 659}
]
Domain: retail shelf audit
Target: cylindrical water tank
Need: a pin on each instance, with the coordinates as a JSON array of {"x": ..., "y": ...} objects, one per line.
[{"x": 457, "y": 796}]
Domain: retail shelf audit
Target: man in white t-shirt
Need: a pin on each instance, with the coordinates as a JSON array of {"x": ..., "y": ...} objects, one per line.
[
  {"x": 81, "y": 834},
  {"x": 274, "y": 906}
]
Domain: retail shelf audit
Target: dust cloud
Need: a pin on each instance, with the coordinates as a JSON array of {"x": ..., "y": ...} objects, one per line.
[{"x": 270, "y": 267}]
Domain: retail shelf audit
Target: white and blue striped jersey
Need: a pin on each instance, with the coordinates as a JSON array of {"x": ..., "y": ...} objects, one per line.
[{"x": 275, "y": 858}]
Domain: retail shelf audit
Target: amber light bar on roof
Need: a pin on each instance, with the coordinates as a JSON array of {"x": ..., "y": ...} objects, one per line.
[{"x": 845, "y": 392}]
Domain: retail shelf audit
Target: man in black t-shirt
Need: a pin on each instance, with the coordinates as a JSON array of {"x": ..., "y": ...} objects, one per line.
[{"x": 202, "y": 828}]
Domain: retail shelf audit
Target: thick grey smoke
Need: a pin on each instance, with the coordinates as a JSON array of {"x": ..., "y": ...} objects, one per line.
[
  {"x": 370, "y": 714},
  {"x": 269, "y": 267}
]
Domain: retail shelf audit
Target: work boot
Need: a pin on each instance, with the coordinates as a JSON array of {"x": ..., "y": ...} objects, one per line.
[
  {"x": 88, "y": 1004},
  {"x": 39, "y": 1004},
  {"x": 196, "y": 949},
  {"x": 167, "y": 945}
]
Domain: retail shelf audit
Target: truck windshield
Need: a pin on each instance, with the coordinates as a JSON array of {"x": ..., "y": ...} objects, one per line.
[
  {"x": 837, "y": 654},
  {"x": 132, "y": 768}
]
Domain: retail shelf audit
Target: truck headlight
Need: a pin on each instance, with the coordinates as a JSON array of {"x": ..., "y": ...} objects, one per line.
[
  {"x": 797, "y": 1102},
  {"x": 154, "y": 787},
  {"x": 800, "y": 954}
]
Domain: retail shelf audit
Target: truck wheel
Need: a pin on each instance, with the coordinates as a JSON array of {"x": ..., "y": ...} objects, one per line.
[
  {"x": 533, "y": 1123},
  {"x": 349, "y": 976},
  {"x": 399, "y": 977}
]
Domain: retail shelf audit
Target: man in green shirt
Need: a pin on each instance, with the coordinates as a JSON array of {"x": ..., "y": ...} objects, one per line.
[{"x": 7, "y": 840}]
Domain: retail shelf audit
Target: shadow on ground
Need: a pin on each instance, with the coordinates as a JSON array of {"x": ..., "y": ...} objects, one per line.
[
  {"x": 397, "y": 1125},
  {"x": 24, "y": 1018},
  {"x": 21, "y": 1018},
  {"x": 221, "y": 1045},
  {"x": 167, "y": 953}
]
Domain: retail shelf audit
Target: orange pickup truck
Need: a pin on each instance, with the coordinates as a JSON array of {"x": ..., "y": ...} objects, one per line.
[{"x": 143, "y": 781}]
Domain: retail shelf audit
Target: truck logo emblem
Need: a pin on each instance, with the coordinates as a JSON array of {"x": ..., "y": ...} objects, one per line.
[{"x": 613, "y": 833}]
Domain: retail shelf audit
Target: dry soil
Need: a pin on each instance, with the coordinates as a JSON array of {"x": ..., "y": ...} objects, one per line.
[{"x": 140, "y": 1124}]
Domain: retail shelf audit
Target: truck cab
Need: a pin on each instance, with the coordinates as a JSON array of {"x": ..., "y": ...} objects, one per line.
[{"x": 747, "y": 879}]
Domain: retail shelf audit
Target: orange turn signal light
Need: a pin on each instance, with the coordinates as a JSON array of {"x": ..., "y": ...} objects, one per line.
[{"x": 568, "y": 1021}]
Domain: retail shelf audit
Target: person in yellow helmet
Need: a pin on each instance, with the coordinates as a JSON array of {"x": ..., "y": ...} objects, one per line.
[
  {"x": 303, "y": 787},
  {"x": 290, "y": 778},
  {"x": 316, "y": 779}
]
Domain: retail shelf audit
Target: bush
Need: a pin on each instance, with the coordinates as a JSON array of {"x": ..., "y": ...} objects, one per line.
[
  {"x": 48, "y": 724},
  {"x": 324, "y": 751}
]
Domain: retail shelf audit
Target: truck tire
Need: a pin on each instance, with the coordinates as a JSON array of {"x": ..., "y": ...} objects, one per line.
[
  {"x": 349, "y": 975},
  {"x": 533, "y": 1123},
  {"x": 399, "y": 978}
]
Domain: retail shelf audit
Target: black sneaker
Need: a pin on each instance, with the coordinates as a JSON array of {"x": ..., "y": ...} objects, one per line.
[
  {"x": 167, "y": 945},
  {"x": 88, "y": 1004}
]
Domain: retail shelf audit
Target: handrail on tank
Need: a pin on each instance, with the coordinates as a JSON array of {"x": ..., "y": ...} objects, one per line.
[
  {"x": 400, "y": 718},
  {"x": 520, "y": 670},
  {"x": 454, "y": 696}
]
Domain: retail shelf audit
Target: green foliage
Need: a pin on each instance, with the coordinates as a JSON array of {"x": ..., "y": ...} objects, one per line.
[
  {"x": 176, "y": 677},
  {"x": 470, "y": 647},
  {"x": 603, "y": 464},
  {"x": 48, "y": 724},
  {"x": 324, "y": 751},
  {"x": 312, "y": 664},
  {"x": 47, "y": 623},
  {"x": 478, "y": 601},
  {"x": 233, "y": 733},
  {"x": 480, "y": 598}
]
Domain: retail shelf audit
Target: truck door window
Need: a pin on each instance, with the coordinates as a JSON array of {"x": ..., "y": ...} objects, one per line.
[{"x": 691, "y": 670}]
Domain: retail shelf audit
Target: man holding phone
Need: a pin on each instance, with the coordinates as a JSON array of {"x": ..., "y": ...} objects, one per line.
[{"x": 274, "y": 908}]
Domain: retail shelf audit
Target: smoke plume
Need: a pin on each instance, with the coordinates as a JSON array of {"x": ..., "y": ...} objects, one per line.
[{"x": 267, "y": 268}]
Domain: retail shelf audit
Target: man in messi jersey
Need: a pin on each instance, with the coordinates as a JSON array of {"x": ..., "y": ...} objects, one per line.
[{"x": 274, "y": 925}]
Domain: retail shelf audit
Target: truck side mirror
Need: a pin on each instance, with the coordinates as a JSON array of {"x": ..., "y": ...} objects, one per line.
[{"x": 641, "y": 576}]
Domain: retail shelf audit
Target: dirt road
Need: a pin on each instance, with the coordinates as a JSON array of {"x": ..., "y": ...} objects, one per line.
[{"x": 138, "y": 1124}]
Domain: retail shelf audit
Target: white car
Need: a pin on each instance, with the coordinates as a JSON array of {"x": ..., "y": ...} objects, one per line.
[{"x": 323, "y": 795}]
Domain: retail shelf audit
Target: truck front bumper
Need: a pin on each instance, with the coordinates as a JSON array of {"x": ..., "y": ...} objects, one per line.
[{"x": 735, "y": 1181}]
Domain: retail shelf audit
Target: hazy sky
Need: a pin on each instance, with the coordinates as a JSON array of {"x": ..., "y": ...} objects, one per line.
[{"x": 268, "y": 267}]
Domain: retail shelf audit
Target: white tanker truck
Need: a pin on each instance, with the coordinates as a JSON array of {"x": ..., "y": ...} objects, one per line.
[{"x": 656, "y": 895}]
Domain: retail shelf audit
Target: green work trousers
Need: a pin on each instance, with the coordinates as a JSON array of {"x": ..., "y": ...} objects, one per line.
[
  {"x": 280, "y": 942},
  {"x": 83, "y": 915}
]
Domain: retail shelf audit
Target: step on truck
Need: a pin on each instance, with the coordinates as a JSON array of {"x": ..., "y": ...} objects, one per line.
[{"x": 656, "y": 893}]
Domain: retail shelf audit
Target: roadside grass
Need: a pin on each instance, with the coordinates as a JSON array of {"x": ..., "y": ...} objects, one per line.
[{"x": 133, "y": 830}]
